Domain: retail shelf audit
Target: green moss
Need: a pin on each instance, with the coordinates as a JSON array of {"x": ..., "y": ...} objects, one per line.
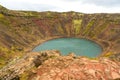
[
  {"x": 4, "y": 20},
  {"x": 28, "y": 74},
  {"x": 3, "y": 49},
  {"x": 7, "y": 54},
  {"x": 64, "y": 14},
  {"x": 1, "y": 16},
  {"x": 60, "y": 30},
  {"x": 2, "y": 62},
  {"x": 108, "y": 54},
  {"x": 77, "y": 25},
  {"x": 49, "y": 15},
  {"x": 24, "y": 76},
  {"x": 94, "y": 58},
  {"x": 89, "y": 25}
]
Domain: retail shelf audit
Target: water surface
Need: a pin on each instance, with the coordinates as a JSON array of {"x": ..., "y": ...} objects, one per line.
[{"x": 82, "y": 47}]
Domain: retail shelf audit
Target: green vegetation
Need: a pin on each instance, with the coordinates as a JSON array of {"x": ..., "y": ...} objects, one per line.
[
  {"x": 1, "y": 16},
  {"x": 24, "y": 76},
  {"x": 8, "y": 54},
  {"x": 77, "y": 26},
  {"x": 4, "y": 20},
  {"x": 89, "y": 25},
  {"x": 60, "y": 30},
  {"x": 108, "y": 54}
]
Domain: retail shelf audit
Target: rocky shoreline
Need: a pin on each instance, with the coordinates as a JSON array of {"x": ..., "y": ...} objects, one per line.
[{"x": 102, "y": 43}]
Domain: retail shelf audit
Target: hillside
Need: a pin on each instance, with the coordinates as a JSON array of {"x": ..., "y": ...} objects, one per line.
[{"x": 21, "y": 31}]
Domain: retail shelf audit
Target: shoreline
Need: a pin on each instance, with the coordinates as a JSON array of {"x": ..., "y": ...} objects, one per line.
[{"x": 97, "y": 41}]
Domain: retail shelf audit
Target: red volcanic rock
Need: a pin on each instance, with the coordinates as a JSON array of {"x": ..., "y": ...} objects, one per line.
[{"x": 78, "y": 68}]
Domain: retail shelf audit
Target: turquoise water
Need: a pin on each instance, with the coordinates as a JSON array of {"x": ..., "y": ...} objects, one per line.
[{"x": 82, "y": 47}]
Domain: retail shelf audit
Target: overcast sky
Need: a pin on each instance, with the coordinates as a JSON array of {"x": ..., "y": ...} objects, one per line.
[{"x": 85, "y": 6}]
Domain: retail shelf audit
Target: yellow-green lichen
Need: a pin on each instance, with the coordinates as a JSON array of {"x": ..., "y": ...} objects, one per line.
[
  {"x": 108, "y": 54},
  {"x": 89, "y": 25},
  {"x": 77, "y": 25},
  {"x": 1, "y": 16}
]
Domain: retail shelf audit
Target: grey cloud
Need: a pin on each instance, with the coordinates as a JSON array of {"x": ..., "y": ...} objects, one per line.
[
  {"x": 33, "y": 7},
  {"x": 41, "y": 7},
  {"x": 106, "y": 3}
]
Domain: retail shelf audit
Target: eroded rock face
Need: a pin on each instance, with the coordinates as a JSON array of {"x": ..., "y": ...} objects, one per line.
[
  {"x": 52, "y": 66},
  {"x": 78, "y": 68},
  {"x": 19, "y": 66},
  {"x": 22, "y": 28},
  {"x": 115, "y": 57}
]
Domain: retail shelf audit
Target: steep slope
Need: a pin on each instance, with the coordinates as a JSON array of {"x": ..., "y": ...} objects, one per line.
[{"x": 23, "y": 29}]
